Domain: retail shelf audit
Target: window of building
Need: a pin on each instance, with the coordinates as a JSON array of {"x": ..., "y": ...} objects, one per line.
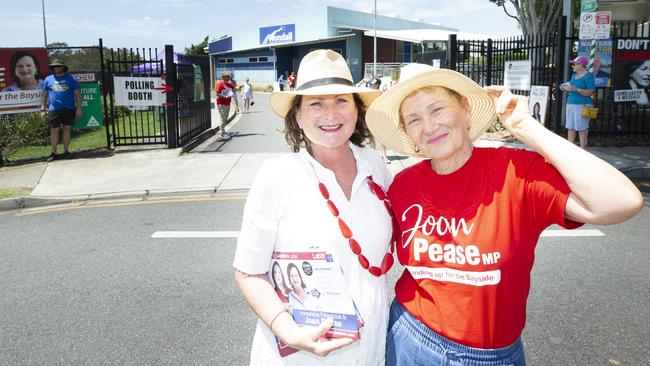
[
  {"x": 263, "y": 59},
  {"x": 252, "y": 59}
]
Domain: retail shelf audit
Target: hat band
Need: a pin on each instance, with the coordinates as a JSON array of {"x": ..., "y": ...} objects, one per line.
[{"x": 324, "y": 81}]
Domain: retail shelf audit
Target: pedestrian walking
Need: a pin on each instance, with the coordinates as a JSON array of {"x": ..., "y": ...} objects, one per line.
[
  {"x": 61, "y": 102},
  {"x": 247, "y": 95},
  {"x": 580, "y": 88},
  {"x": 224, "y": 90},
  {"x": 469, "y": 218}
]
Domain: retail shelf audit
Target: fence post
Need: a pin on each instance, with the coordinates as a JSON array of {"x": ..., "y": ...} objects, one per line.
[
  {"x": 170, "y": 80},
  {"x": 560, "y": 54},
  {"x": 452, "y": 57},
  {"x": 489, "y": 63},
  {"x": 104, "y": 92}
]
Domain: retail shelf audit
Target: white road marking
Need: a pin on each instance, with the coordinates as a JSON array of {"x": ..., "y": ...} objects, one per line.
[
  {"x": 195, "y": 234},
  {"x": 235, "y": 234},
  {"x": 556, "y": 233}
]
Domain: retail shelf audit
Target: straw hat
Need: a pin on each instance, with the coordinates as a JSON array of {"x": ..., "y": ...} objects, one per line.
[
  {"x": 383, "y": 116},
  {"x": 321, "y": 72}
]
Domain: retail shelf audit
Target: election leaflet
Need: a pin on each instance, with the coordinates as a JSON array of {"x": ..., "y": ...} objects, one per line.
[{"x": 315, "y": 290}]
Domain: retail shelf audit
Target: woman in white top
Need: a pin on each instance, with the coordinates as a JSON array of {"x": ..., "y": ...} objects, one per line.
[
  {"x": 328, "y": 195},
  {"x": 247, "y": 95}
]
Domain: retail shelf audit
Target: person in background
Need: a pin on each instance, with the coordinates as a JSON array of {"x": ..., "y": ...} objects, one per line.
[
  {"x": 291, "y": 207},
  {"x": 292, "y": 81},
  {"x": 580, "y": 88},
  {"x": 61, "y": 101},
  {"x": 469, "y": 218},
  {"x": 25, "y": 72},
  {"x": 235, "y": 98},
  {"x": 281, "y": 82},
  {"x": 224, "y": 90},
  {"x": 247, "y": 95}
]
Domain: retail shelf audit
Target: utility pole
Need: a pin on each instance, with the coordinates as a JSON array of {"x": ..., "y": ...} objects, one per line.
[
  {"x": 374, "y": 73},
  {"x": 44, "y": 28}
]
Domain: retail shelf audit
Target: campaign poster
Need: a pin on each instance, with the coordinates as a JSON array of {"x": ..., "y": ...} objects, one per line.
[
  {"x": 22, "y": 71},
  {"x": 537, "y": 101},
  {"x": 602, "y": 59},
  {"x": 632, "y": 71}
]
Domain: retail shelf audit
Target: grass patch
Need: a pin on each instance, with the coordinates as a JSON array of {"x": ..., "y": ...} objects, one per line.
[
  {"x": 13, "y": 192},
  {"x": 136, "y": 123},
  {"x": 82, "y": 140}
]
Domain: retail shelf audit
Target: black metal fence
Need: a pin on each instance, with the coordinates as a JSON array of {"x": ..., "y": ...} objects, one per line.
[{"x": 483, "y": 61}]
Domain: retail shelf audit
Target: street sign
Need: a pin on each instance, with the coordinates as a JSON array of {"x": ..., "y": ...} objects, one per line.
[
  {"x": 588, "y": 6},
  {"x": 517, "y": 75},
  {"x": 595, "y": 25},
  {"x": 140, "y": 91},
  {"x": 91, "y": 107}
]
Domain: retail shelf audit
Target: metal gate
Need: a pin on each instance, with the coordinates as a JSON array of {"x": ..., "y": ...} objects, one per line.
[
  {"x": 185, "y": 113},
  {"x": 483, "y": 61}
]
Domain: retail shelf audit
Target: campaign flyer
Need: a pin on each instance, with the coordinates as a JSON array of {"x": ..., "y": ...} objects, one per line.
[{"x": 313, "y": 286}]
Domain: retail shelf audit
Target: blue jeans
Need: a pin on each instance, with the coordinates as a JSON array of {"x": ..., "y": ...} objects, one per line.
[{"x": 411, "y": 343}]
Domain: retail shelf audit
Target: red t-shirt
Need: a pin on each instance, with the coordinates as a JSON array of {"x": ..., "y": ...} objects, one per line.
[
  {"x": 221, "y": 85},
  {"x": 468, "y": 241},
  {"x": 292, "y": 80}
]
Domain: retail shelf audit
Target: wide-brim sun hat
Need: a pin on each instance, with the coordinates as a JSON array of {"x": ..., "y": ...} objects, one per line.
[
  {"x": 55, "y": 63},
  {"x": 321, "y": 72},
  {"x": 383, "y": 116}
]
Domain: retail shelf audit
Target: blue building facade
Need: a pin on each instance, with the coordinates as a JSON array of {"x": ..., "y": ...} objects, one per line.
[{"x": 263, "y": 53}]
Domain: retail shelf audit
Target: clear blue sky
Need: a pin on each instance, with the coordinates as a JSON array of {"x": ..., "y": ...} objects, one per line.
[{"x": 135, "y": 23}]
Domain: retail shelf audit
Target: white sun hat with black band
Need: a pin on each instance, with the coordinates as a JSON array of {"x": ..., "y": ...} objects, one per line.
[
  {"x": 321, "y": 72},
  {"x": 383, "y": 119}
]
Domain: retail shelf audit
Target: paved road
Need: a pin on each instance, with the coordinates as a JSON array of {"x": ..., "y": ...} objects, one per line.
[{"x": 91, "y": 286}]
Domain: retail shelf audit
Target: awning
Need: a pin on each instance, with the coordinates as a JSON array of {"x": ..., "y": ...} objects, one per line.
[{"x": 424, "y": 35}]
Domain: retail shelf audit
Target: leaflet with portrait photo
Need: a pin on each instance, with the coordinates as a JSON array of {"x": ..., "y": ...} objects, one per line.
[{"x": 315, "y": 290}]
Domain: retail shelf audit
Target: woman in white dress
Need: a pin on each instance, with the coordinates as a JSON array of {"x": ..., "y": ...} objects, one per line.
[
  {"x": 247, "y": 95},
  {"x": 329, "y": 195}
]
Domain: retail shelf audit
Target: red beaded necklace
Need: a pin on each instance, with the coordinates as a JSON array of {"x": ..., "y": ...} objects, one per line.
[{"x": 388, "y": 260}]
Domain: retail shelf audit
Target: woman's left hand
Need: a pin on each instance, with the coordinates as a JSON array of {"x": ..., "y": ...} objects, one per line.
[{"x": 510, "y": 108}]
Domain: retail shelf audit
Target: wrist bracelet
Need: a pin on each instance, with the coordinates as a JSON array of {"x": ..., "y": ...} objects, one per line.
[{"x": 276, "y": 317}]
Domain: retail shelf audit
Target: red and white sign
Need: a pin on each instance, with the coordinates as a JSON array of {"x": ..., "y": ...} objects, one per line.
[{"x": 595, "y": 25}]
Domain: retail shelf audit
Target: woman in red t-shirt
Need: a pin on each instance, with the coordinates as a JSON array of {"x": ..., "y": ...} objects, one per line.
[{"x": 470, "y": 217}]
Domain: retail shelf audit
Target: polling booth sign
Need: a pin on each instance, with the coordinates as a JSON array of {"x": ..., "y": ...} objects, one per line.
[{"x": 139, "y": 91}]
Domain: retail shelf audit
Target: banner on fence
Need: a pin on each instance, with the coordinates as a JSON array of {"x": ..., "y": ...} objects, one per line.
[
  {"x": 517, "y": 75},
  {"x": 22, "y": 71},
  {"x": 537, "y": 100},
  {"x": 139, "y": 91},
  {"x": 602, "y": 59},
  {"x": 91, "y": 107},
  {"x": 632, "y": 71}
]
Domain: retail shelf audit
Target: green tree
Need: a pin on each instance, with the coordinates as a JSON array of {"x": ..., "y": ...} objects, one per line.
[
  {"x": 198, "y": 49},
  {"x": 534, "y": 16}
]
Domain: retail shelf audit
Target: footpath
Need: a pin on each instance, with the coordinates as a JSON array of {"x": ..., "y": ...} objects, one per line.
[{"x": 170, "y": 173}]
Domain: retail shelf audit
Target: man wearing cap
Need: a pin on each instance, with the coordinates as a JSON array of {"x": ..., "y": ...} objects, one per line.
[
  {"x": 63, "y": 95},
  {"x": 225, "y": 90},
  {"x": 580, "y": 88}
]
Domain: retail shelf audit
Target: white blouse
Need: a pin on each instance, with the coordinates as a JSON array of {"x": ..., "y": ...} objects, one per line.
[{"x": 286, "y": 212}]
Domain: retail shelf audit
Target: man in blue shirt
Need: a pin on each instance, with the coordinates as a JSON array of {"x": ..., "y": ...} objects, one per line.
[{"x": 63, "y": 95}]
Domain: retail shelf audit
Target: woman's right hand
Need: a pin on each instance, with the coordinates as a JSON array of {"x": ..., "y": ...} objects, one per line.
[{"x": 312, "y": 339}]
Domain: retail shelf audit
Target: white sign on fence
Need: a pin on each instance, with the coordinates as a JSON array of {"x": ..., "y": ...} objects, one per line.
[
  {"x": 139, "y": 91},
  {"x": 537, "y": 100},
  {"x": 595, "y": 25},
  {"x": 20, "y": 101},
  {"x": 517, "y": 75}
]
